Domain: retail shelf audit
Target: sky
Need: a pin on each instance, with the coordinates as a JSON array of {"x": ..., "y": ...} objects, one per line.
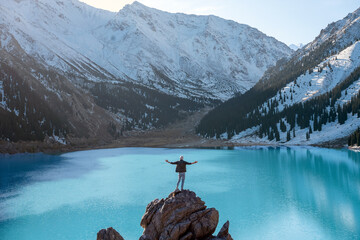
[{"x": 290, "y": 21}]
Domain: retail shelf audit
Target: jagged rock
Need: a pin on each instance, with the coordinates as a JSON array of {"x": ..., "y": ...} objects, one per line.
[
  {"x": 109, "y": 234},
  {"x": 180, "y": 216},
  {"x": 224, "y": 232}
]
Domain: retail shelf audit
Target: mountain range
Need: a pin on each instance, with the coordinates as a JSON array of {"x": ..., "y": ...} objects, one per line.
[
  {"x": 69, "y": 70},
  {"x": 71, "y": 73}
]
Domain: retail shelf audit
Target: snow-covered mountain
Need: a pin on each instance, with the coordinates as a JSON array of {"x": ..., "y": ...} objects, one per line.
[
  {"x": 73, "y": 71},
  {"x": 320, "y": 80},
  {"x": 339, "y": 34},
  {"x": 296, "y": 46},
  {"x": 178, "y": 54}
]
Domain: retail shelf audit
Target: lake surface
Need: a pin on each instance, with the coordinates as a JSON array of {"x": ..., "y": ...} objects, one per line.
[{"x": 266, "y": 193}]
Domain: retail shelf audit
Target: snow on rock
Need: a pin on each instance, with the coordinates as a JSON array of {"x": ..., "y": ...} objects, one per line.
[
  {"x": 296, "y": 46},
  {"x": 341, "y": 33},
  {"x": 308, "y": 86},
  {"x": 178, "y": 54},
  {"x": 313, "y": 84},
  {"x": 330, "y": 131},
  {"x": 58, "y": 139}
]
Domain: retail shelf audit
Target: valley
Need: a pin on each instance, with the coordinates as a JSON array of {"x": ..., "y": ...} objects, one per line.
[{"x": 76, "y": 77}]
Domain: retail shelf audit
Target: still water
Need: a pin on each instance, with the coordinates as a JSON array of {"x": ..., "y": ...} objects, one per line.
[{"x": 266, "y": 193}]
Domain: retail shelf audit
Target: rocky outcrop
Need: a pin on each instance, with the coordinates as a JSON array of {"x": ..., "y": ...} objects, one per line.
[
  {"x": 109, "y": 234},
  {"x": 180, "y": 216},
  {"x": 224, "y": 232}
]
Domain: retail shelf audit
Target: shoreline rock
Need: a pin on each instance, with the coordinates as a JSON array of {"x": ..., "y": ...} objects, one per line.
[
  {"x": 109, "y": 234},
  {"x": 180, "y": 216}
]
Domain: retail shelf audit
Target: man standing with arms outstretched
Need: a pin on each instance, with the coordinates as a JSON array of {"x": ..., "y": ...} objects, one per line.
[{"x": 181, "y": 169}]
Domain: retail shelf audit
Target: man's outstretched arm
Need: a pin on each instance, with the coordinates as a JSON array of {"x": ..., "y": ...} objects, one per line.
[
  {"x": 170, "y": 162},
  {"x": 194, "y": 162}
]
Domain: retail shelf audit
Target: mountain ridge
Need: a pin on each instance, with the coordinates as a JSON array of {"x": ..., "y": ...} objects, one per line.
[
  {"x": 90, "y": 62},
  {"x": 134, "y": 16},
  {"x": 317, "y": 63}
]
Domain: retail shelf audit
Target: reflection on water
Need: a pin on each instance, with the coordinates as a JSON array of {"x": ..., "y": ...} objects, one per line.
[
  {"x": 266, "y": 193},
  {"x": 324, "y": 183},
  {"x": 14, "y": 169}
]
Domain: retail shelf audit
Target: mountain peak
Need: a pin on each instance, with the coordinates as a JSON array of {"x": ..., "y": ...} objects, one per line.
[
  {"x": 135, "y": 6},
  {"x": 355, "y": 13},
  {"x": 136, "y": 3},
  {"x": 296, "y": 46}
]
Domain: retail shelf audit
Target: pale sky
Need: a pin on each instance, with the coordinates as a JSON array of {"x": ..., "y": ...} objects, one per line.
[{"x": 290, "y": 21}]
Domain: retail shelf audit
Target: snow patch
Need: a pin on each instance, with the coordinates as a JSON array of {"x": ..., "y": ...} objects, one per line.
[
  {"x": 177, "y": 54},
  {"x": 59, "y": 139},
  {"x": 322, "y": 79}
]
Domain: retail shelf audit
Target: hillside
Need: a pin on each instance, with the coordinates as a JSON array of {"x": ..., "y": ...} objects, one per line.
[
  {"x": 317, "y": 71},
  {"x": 326, "y": 98}
]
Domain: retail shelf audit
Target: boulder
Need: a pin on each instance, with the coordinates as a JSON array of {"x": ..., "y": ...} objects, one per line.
[
  {"x": 180, "y": 216},
  {"x": 109, "y": 234}
]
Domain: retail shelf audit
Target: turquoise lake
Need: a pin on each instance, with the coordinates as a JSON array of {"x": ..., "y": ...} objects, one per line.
[{"x": 265, "y": 193}]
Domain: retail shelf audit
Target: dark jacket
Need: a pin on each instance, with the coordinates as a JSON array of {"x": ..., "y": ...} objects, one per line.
[{"x": 181, "y": 165}]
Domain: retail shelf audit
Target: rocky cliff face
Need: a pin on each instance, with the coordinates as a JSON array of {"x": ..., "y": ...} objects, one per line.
[{"x": 180, "y": 216}]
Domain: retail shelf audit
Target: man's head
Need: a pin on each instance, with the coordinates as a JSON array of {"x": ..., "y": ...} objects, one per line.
[{"x": 181, "y": 157}]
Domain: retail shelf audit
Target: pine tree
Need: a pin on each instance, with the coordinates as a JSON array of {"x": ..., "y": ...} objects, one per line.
[
  {"x": 354, "y": 139},
  {"x": 271, "y": 135},
  {"x": 300, "y": 114},
  {"x": 277, "y": 136},
  {"x": 307, "y": 135},
  {"x": 315, "y": 124},
  {"x": 339, "y": 114},
  {"x": 261, "y": 134},
  {"x": 288, "y": 137},
  {"x": 282, "y": 126}
]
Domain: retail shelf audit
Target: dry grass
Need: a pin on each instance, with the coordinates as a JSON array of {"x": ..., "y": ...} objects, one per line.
[{"x": 180, "y": 134}]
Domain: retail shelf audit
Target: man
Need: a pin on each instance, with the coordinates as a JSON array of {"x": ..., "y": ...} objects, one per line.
[{"x": 181, "y": 169}]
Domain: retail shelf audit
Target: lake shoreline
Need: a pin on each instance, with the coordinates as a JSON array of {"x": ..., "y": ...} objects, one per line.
[
  {"x": 57, "y": 148},
  {"x": 180, "y": 134}
]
